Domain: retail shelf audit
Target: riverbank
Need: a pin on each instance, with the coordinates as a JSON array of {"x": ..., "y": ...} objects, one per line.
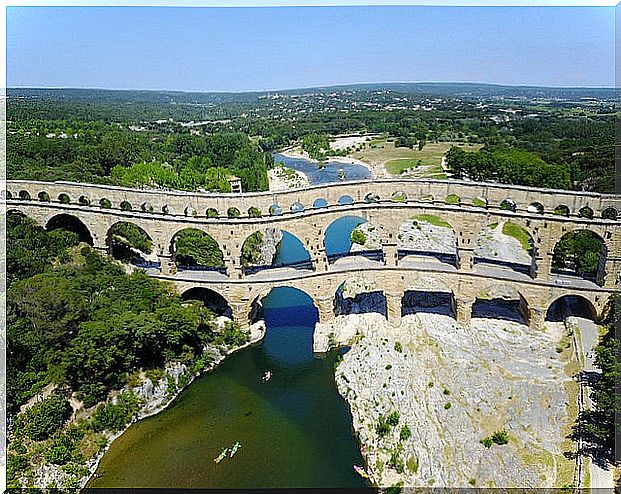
[
  {"x": 155, "y": 396},
  {"x": 427, "y": 397},
  {"x": 283, "y": 178}
]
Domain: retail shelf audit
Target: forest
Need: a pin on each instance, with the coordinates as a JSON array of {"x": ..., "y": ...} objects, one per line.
[{"x": 80, "y": 324}]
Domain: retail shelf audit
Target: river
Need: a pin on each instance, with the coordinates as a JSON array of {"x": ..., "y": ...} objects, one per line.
[
  {"x": 330, "y": 173},
  {"x": 295, "y": 430}
]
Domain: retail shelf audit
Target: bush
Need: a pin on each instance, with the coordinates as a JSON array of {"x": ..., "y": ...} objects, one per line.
[
  {"x": 487, "y": 442},
  {"x": 405, "y": 433},
  {"x": 393, "y": 418},
  {"x": 388, "y": 367},
  {"x": 358, "y": 237},
  {"x": 383, "y": 427},
  {"x": 44, "y": 418},
  {"x": 500, "y": 437},
  {"x": 447, "y": 405},
  {"x": 398, "y": 347}
]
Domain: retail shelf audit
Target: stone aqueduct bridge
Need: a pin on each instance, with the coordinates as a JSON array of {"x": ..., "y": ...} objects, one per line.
[{"x": 306, "y": 213}]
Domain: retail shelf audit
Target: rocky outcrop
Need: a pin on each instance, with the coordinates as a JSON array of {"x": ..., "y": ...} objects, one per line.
[
  {"x": 269, "y": 247},
  {"x": 453, "y": 387}
]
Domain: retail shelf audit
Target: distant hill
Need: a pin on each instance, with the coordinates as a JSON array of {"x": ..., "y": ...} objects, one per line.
[{"x": 448, "y": 89}]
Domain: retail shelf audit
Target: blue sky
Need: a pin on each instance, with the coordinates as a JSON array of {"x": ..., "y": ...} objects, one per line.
[{"x": 241, "y": 49}]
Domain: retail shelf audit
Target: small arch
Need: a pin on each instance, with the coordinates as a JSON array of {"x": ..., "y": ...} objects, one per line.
[
  {"x": 398, "y": 196},
  {"x": 536, "y": 207},
  {"x": 371, "y": 197},
  {"x": 479, "y": 202},
  {"x": 126, "y": 206},
  {"x": 585, "y": 212},
  {"x": 70, "y": 223},
  {"x": 297, "y": 207},
  {"x": 320, "y": 203},
  {"x": 24, "y": 195},
  {"x": 147, "y": 207},
  {"x": 7, "y": 195},
  {"x": 275, "y": 210},
  {"x": 254, "y": 212},
  {"x": 561, "y": 210},
  {"x": 212, "y": 213},
  {"x": 105, "y": 203},
  {"x": 190, "y": 211},
  {"x": 44, "y": 196},
  {"x": 233, "y": 212},
  {"x": 508, "y": 205},
  {"x": 211, "y": 299},
  {"x": 84, "y": 201},
  {"x": 345, "y": 200},
  {"x": 452, "y": 200},
  {"x": 64, "y": 198},
  {"x": 610, "y": 214},
  {"x": 571, "y": 306}
]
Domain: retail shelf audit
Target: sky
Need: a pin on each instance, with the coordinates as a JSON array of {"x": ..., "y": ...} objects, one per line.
[{"x": 270, "y": 48}]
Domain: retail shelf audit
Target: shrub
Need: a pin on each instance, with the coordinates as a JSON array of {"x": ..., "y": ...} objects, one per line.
[
  {"x": 396, "y": 462},
  {"x": 383, "y": 427},
  {"x": 398, "y": 346},
  {"x": 43, "y": 419},
  {"x": 388, "y": 367},
  {"x": 393, "y": 418},
  {"x": 447, "y": 405},
  {"x": 447, "y": 392},
  {"x": 500, "y": 437},
  {"x": 487, "y": 442},
  {"x": 358, "y": 237},
  {"x": 405, "y": 433}
]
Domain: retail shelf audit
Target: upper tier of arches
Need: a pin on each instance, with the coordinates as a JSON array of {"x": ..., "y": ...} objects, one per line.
[{"x": 506, "y": 198}]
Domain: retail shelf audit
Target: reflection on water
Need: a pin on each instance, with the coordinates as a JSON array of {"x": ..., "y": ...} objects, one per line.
[
  {"x": 295, "y": 429},
  {"x": 330, "y": 173}
]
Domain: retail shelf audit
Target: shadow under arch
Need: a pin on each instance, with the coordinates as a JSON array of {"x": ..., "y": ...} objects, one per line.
[
  {"x": 213, "y": 300},
  {"x": 274, "y": 248},
  {"x": 571, "y": 305},
  {"x": 196, "y": 250},
  {"x": 580, "y": 253},
  {"x": 344, "y": 237},
  {"x": 127, "y": 241},
  {"x": 70, "y": 223},
  {"x": 428, "y": 295},
  {"x": 508, "y": 244},
  {"x": 358, "y": 296},
  {"x": 507, "y": 304},
  {"x": 427, "y": 235}
]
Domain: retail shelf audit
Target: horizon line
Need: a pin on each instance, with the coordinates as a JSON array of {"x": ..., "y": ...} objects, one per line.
[{"x": 339, "y": 85}]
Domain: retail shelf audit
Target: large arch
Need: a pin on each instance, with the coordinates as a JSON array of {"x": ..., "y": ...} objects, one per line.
[
  {"x": 580, "y": 253},
  {"x": 273, "y": 248},
  {"x": 427, "y": 235},
  {"x": 428, "y": 295},
  {"x": 194, "y": 249},
  {"x": 506, "y": 243},
  {"x": 352, "y": 236},
  {"x": 213, "y": 300},
  {"x": 498, "y": 302},
  {"x": 359, "y": 296},
  {"x": 127, "y": 241},
  {"x": 571, "y": 305},
  {"x": 72, "y": 224}
]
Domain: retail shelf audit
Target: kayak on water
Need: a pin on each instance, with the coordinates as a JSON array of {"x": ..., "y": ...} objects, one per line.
[
  {"x": 234, "y": 449},
  {"x": 361, "y": 471},
  {"x": 267, "y": 376},
  {"x": 222, "y": 455}
]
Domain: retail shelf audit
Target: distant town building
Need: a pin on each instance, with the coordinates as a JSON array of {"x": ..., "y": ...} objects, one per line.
[{"x": 235, "y": 182}]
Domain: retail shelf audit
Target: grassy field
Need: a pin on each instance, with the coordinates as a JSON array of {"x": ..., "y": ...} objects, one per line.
[
  {"x": 432, "y": 219},
  {"x": 400, "y": 160}
]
